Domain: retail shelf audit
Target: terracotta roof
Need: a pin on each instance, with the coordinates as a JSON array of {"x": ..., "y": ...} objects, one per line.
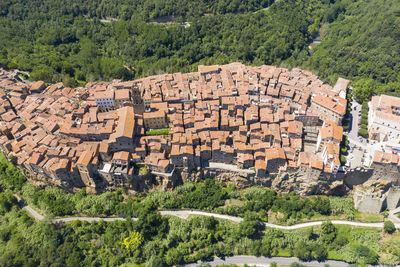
[
  {"x": 85, "y": 158},
  {"x": 126, "y": 122}
]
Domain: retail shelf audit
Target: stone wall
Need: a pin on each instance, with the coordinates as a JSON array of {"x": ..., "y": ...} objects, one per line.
[{"x": 393, "y": 198}]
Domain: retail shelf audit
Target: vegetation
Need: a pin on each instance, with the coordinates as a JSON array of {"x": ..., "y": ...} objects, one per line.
[
  {"x": 360, "y": 42},
  {"x": 363, "y": 131},
  {"x": 10, "y": 177},
  {"x": 161, "y": 241},
  {"x": 158, "y": 131},
  {"x": 75, "y": 42},
  {"x": 68, "y": 41},
  {"x": 389, "y": 227},
  {"x": 343, "y": 149}
]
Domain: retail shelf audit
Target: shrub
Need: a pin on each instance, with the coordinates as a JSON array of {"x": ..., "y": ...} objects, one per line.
[{"x": 389, "y": 227}]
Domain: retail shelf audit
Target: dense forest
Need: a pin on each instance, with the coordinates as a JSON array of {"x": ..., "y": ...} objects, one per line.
[
  {"x": 363, "y": 44},
  {"x": 61, "y": 40},
  {"x": 75, "y": 42}
]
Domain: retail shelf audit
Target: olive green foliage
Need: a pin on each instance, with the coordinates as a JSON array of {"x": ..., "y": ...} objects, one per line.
[
  {"x": 363, "y": 131},
  {"x": 361, "y": 42},
  {"x": 10, "y": 177},
  {"x": 342, "y": 205},
  {"x": 144, "y": 170},
  {"x": 158, "y": 132},
  {"x": 212, "y": 196},
  {"x": 68, "y": 40},
  {"x": 24, "y": 242},
  {"x": 343, "y": 149},
  {"x": 389, "y": 227},
  {"x": 357, "y": 245},
  {"x": 7, "y": 201}
]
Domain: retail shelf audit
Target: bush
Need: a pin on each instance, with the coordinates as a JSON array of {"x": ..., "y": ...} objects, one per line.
[{"x": 389, "y": 227}]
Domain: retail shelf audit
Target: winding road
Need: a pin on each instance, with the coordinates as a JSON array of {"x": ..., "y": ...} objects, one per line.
[
  {"x": 184, "y": 214},
  {"x": 241, "y": 260}
]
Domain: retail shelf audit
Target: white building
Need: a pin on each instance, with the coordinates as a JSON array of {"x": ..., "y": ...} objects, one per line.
[
  {"x": 104, "y": 100},
  {"x": 384, "y": 118}
]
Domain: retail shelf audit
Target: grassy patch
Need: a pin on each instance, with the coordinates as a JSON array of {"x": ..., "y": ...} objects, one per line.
[
  {"x": 158, "y": 132},
  {"x": 334, "y": 255},
  {"x": 234, "y": 202},
  {"x": 365, "y": 217},
  {"x": 283, "y": 253}
]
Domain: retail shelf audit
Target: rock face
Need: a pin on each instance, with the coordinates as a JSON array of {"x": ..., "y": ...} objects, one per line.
[
  {"x": 375, "y": 195},
  {"x": 305, "y": 184}
]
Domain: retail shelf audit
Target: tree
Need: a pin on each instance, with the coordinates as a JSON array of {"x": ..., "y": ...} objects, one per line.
[
  {"x": 328, "y": 232},
  {"x": 363, "y": 132},
  {"x": 250, "y": 226},
  {"x": 7, "y": 201},
  {"x": 389, "y": 227},
  {"x": 173, "y": 257},
  {"x": 301, "y": 251},
  {"x": 133, "y": 241}
]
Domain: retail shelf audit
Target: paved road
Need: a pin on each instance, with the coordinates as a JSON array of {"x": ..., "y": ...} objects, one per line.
[
  {"x": 88, "y": 219},
  {"x": 186, "y": 213},
  {"x": 355, "y": 111},
  {"x": 367, "y": 149},
  {"x": 264, "y": 261}
]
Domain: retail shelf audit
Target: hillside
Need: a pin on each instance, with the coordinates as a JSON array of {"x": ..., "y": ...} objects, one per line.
[
  {"x": 63, "y": 41},
  {"x": 363, "y": 44}
]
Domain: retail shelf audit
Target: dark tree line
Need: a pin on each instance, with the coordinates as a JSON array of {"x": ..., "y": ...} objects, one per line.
[{"x": 63, "y": 41}]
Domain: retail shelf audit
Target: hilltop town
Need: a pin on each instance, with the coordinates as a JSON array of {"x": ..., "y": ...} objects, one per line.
[{"x": 260, "y": 125}]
